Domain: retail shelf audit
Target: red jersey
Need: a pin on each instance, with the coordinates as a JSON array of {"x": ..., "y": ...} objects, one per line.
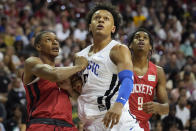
[
  {"x": 143, "y": 91},
  {"x": 46, "y": 100}
]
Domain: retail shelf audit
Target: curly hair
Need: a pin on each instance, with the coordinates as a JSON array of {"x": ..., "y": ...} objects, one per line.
[{"x": 109, "y": 7}]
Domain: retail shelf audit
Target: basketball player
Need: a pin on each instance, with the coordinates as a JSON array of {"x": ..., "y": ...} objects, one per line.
[
  {"x": 148, "y": 78},
  {"x": 48, "y": 104},
  {"x": 108, "y": 78}
]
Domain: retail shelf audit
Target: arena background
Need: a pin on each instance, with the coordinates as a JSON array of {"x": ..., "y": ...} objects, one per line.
[{"x": 171, "y": 22}]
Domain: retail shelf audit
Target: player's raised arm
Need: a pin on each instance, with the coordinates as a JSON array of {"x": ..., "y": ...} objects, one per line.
[
  {"x": 121, "y": 56},
  {"x": 55, "y": 74}
]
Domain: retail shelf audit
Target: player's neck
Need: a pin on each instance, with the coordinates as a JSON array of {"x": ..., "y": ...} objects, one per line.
[
  {"x": 47, "y": 60},
  {"x": 140, "y": 60},
  {"x": 99, "y": 43}
]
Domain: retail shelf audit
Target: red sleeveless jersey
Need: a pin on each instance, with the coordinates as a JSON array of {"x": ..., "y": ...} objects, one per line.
[
  {"x": 46, "y": 100},
  {"x": 143, "y": 91}
]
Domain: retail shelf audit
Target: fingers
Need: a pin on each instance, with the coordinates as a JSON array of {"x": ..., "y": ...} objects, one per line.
[
  {"x": 106, "y": 119},
  {"x": 149, "y": 111},
  {"x": 115, "y": 120},
  {"x": 81, "y": 61},
  {"x": 148, "y": 107},
  {"x": 111, "y": 119}
]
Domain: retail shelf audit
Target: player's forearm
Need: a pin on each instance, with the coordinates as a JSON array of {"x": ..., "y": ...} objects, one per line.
[
  {"x": 63, "y": 73},
  {"x": 55, "y": 74},
  {"x": 164, "y": 109}
]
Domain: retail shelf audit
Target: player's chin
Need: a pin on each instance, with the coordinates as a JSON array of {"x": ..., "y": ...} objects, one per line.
[
  {"x": 54, "y": 54},
  {"x": 140, "y": 48},
  {"x": 100, "y": 32}
]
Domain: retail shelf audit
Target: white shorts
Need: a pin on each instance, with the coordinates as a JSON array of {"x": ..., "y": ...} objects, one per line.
[{"x": 94, "y": 123}]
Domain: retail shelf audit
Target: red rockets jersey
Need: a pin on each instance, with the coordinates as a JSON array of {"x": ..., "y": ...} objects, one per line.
[
  {"x": 46, "y": 100},
  {"x": 143, "y": 91}
]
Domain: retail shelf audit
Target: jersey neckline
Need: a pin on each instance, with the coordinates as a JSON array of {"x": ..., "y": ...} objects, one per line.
[{"x": 100, "y": 50}]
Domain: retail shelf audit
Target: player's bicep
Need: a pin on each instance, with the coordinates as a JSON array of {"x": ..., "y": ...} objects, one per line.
[
  {"x": 161, "y": 87},
  {"x": 37, "y": 68},
  {"x": 42, "y": 70},
  {"x": 121, "y": 56}
]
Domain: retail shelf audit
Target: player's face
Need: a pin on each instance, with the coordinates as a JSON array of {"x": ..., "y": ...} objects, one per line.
[
  {"x": 49, "y": 44},
  {"x": 141, "y": 41},
  {"x": 102, "y": 23}
]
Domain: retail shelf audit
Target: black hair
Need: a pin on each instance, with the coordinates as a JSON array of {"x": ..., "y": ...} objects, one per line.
[
  {"x": 109, "y": 7},
  {"x": 172, "y": 107},
  {"x": 39, "y": 36},
  {"x": 182, "y": 88},
  {"x": 131, "y": 37}
]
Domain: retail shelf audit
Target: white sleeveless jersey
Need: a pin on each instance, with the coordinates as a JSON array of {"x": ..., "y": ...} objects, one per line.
[{"x": 100, "y": 80}]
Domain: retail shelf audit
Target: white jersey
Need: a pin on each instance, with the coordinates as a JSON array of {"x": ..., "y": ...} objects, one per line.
[
  {"x": 100, "y": 90},
  {"x": 100, "y": 79}
]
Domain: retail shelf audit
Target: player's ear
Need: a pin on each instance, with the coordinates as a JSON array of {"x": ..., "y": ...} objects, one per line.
[
  {"x": 113, "y": 29},
  {"x": 150, "y": 52},
  {"x": 38, "y": 47},
  {"x": 130, "y": 45},
  {"x": 89, "y": 28}
]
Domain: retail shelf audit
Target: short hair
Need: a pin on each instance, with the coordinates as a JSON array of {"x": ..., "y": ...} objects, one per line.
[
  {"x": 112, "y": 9},
  {"x": 131, "y": 37},
  {"x": 182, "y": 88},
  {"x": 172, "y": 107},
  {"x": 39, "y": 36}
]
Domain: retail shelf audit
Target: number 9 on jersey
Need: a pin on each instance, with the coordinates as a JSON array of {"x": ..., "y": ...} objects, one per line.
[{"x": 140, "y": 103}]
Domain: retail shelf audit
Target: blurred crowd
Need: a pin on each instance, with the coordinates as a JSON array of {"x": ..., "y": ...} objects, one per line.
[{"x": 171, "y": 22}]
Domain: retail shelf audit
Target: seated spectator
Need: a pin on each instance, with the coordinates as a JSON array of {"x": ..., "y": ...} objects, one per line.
[
  {"x": 2, "y": 116},
  {"x": 30, "y": 49},
  {"x": 171, "y": 118},
  {"x": 187, "y": 48},
  {"x": 193, "y": 117},
  {"x": 159, "y": 126},
  {"x": 193, "y": 125},
  {"x": 189, "y": 76},
  {"x": 80, "y": 32},
  {"x": 17, "y": 121},
  {"x": 15, "y": 96},
  {"x": 4, "y": 83},
  {"x": 182, "y": 112},
  {"x": 3, "y": 113},
  {"x": 139, "y": 18},
  {"x": 172, "y": 127},
  {"x": 2, "y": 127},
  {"x": 194, "y": 69},
  {"x": 2, "y": 43}
]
